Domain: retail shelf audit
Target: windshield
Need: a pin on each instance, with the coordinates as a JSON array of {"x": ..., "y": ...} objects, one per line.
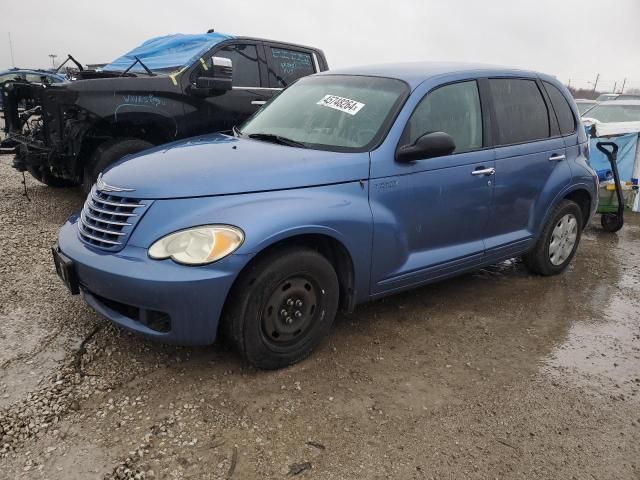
[
  {"x": 615, "y": 113},
  {"x": 167, "y": 53},
  {"x": 331, "y": 112},
  {"x": 584, "y": 106}
]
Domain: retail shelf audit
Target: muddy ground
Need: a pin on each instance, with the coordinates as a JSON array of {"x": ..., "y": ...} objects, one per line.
[{"x": 497, "y": 374}]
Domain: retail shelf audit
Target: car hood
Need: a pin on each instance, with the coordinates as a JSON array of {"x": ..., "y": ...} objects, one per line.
[{"x": 219, "y": 164}]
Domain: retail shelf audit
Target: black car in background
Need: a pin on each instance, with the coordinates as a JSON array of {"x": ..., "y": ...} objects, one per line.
[{"x": 168, "y": 88}]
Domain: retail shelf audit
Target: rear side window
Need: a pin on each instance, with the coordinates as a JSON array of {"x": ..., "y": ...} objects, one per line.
[
  {"x": 246, "y": 71},
  {"x": 453, "y": 109},
  {"x": 521, "y": 112},
  {"x": 288, "y": 66},
  {"x": 563, "y": 111}
]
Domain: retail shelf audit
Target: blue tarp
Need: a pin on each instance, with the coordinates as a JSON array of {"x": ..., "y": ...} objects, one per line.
[
  {"x": 627, "y": 145},
  {"x": 168, "y": 52}
]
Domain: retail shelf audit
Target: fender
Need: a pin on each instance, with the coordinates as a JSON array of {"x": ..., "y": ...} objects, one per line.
[{"x": 339, "y": 211}]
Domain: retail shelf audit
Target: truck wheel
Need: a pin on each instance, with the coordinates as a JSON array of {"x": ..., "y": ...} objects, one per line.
[
  {"x": 558, "y": 241},
  {"x": 107, "y": 153},
  {"x": 50, "y": 179},
  {"x": 282, "y": 307}
]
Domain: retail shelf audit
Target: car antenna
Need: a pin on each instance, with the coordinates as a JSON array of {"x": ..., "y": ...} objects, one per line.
[
  {"x": 151, "y": 74},
  {"x": 69, "y": 57}
]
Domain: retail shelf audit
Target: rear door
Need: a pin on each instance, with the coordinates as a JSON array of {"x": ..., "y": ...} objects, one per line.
[
  {"x": 286, "y": 64},
  {"x": 531, "y": 166}
]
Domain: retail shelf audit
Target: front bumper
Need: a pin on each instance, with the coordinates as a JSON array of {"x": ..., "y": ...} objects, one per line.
[{"x": 140, "y": 294}]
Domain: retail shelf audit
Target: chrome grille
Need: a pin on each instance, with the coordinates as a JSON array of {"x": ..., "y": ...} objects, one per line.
[{"x": 107, "y": 220}]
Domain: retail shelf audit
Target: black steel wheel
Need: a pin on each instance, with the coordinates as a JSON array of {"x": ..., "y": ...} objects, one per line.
[
  {"x": 611, "y": 222},
  {"x": 282, "y": 307}
]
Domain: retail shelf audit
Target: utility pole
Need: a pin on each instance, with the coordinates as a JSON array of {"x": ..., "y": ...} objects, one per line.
[
  {"x": 623, "y": 84},
  {"x": 13, "y": 62},
  {"x": 53, "y": 56},
  {"x": 614, "y": 86},
  {"x": 569, "y": 86},
  {"x": 596, "y": 82}
]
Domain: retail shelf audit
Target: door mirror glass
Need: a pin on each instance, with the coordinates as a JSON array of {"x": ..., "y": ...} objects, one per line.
[
  {"x": 215, "y": 79},
  {"x": 429, "y": 145}
]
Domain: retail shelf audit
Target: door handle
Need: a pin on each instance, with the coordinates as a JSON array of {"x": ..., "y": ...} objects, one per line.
[
  {"x": 258, "y": 102},
  {"x": 556, "y": 157},
  {"x": 484, "y": 171}
]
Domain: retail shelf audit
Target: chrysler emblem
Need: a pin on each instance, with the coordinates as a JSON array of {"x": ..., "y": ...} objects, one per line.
[{"x": 102, "y": 186}]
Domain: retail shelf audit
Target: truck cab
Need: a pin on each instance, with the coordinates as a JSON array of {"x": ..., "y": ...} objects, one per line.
[{"x": 168, "y": 88}]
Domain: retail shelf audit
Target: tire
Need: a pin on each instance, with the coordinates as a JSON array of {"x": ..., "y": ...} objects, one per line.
[
  {"x": 547, "y": 259},
  {"x": 107, "y": 153},
  {"x": 611, "y": 222},
  {"x": 50, "y": 179},
  {"x": 287, "y": 280}
]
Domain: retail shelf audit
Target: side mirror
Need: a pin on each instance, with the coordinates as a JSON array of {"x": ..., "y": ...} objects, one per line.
[
  {"x": 216, "y": 80},
  {"x": 429, "y": 145}
]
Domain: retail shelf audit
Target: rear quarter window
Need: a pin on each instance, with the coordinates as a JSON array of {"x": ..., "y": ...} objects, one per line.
[
  {"x": 287, "y": 66},
  {"x": 521, "y": 112},
  {"x": 563, "y": 111}
]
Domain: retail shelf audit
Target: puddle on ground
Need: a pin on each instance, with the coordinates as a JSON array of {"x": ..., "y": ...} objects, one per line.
[{"x": 603, "y": 350}]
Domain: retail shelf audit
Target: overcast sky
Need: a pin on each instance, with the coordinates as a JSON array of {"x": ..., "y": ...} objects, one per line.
[{"x": 568, "y": 38}]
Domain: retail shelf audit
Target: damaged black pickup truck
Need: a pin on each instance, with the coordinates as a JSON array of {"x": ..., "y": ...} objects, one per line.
[{"x": 168, "y": 88}]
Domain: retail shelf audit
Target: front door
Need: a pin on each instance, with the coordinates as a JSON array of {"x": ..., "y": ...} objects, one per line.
[
  {"x": 249, "y": 91},
  {"x": 430, "y": 220}
]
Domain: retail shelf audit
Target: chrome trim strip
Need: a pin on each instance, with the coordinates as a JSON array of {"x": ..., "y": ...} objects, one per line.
[
  {"x": 110, "y": 222},
  {"x": 256, "y": 88},
  {"x": 114, "y": 204},
  {"x": 98, "y": 229},
  {"x": 111, "y": 212},
  {"x": 97, "y": 239}
]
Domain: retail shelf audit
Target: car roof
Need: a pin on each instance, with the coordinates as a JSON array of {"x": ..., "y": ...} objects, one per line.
[
  {"x": 585, "y": 100},
  {"x": 620, "y": 102},
  {"x": 281, "y": 42},
  {"x": 414, "y": 73}
]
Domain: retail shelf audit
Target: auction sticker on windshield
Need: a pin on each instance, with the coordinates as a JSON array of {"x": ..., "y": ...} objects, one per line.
[{"x": 345, "y": 105}]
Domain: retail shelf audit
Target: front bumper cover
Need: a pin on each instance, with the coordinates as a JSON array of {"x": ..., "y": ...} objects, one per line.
[{"x": 192, "y": 297}]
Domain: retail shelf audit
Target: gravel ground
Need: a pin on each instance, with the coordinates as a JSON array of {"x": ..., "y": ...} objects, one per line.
[{"x": 496, "y": 374}]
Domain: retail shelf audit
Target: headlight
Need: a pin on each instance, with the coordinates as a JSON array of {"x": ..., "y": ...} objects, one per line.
[{"x": 198, "y": 245}]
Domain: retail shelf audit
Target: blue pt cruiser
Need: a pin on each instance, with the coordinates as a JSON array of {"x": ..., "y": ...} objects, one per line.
[{"x": 349, "y": 186}]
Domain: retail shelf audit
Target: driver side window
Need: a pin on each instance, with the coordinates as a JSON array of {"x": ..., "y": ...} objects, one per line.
[
  {"x": 246, "y": 69},
  {"x": 453, "y": 109}
]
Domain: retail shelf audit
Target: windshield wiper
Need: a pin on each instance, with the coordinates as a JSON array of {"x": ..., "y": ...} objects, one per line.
[
  {"x": 151, "y": 74},
  {"x": 270, "y": 137}
]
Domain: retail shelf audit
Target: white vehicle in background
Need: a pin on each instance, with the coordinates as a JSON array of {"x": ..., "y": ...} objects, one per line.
[
  {"x": 584, "y": 104},
  {"x": 613, "y": 111},
  {"x": 607, "y": 96}
]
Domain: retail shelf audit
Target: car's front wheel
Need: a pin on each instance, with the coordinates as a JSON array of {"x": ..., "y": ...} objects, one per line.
[
  {"x": 282, "y": 307},
  {"x": 558, "y": 241}
]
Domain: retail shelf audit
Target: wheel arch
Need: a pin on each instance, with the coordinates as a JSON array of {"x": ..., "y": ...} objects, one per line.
[
  {"x": 579, "y": 193},
  {"x": 582, "y": 197},
  {"x": 155, "y": 129},
  {"x": 334, "y": 250}
]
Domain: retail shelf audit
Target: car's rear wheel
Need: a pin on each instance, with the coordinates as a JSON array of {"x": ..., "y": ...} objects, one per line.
[
  {"x": 282, "y": 307},
  {"x": 107, "y": 153},
  {"x": 558, "y": 241}
]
